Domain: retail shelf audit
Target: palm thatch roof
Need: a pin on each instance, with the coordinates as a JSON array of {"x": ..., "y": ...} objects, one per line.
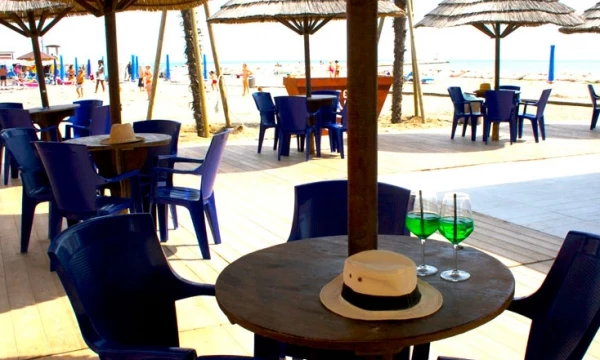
[
  {"x": 10, "y": 10},
  {"x": 246, "y": 11},
  {"x": 509, "y": 12},
  {"x": 591, "y": 24},
  {"x": 159, "y": 5}
]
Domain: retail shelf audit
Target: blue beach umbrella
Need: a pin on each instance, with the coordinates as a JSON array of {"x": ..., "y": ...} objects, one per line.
[
  {"x": 132, "y": 67},
  {"x": 137, "y": 67},
  {"x": 76, "y": 66},
  {"x": 89, "y": 69},
  {"x": 168, "y": 69},
  {"x": 204, "y": 71},
  {"x": 551, "y": 68},
  {"x": 62, "y": 68},
  {"x": 55, "y": 72}
]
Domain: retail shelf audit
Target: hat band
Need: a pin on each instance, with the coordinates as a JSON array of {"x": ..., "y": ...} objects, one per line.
[{"x": 381, "y": 303}]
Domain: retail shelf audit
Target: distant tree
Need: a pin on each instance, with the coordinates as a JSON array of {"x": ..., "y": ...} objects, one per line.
[
  {"x": 398, "y": 71},
  {"x": 191, "y": 46}
]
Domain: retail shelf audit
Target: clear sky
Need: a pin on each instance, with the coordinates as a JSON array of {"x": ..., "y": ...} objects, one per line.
[{"x": 137, "y": 34}]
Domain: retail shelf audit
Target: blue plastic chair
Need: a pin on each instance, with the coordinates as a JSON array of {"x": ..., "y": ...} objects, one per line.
[
  {"x": 500, "y": 107},
  {"x": 75, "y": 183},
  {"x": 268, "y": 117},
  {"x": 595, "y": 106},
  {"x": 122, "y": 288},
  {"x": 537, "y": 119},
  {"x": 197, "y": 201},
  {"x": 13, "y": 170},
  {"x": 328, "y": 114},
  {"x": 565, "y": 310},
  {"x": 11, "y": 105},
  {"x": 82, "y": 115},
  {"x": 336, "y": 132},
  {"x": 36, "y": 186},
  {"x": 156, "y": 157},
  {"x": 99, "y": 124},
  {"x": 515, "y": 88},
  {"x": 463, "y": 109},
  {"x": 293, "y": 120}
]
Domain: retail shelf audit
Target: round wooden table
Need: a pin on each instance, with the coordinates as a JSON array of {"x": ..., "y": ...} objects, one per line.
[
  {"x": 274, "y": 293},
  {"x": 51, "y": 116}
]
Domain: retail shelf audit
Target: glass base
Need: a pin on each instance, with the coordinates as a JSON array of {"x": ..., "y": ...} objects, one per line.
[
  {"x": 426, "y": 270},
  {"x": 455, "y": 275}
]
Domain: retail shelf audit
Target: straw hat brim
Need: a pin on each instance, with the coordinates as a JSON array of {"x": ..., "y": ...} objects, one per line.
[
  {"x": 331, "y": 298},
  {"x": 107, "y": 141}
]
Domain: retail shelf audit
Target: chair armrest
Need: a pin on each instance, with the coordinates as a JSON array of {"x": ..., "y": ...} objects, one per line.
[
  {"x": 527, "y": 306},
  {"x": 123, "y": 176},
  {"x": 157, "y": 170},
  {"x": 528, "y": 101},
  {"x": 183, "y": 288},
  {"x": 176, "y": 159},
  {"x": 146, "y": 353}
]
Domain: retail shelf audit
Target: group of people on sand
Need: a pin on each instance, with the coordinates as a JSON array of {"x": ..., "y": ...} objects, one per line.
[{"x": 334, "y": 69}]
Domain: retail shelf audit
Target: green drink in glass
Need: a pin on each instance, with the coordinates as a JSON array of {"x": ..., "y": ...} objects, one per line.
[
  {"x": 464, "y": 228},
  {"x": 456, "y": 224},
  {"x": 422, "y": 219}
]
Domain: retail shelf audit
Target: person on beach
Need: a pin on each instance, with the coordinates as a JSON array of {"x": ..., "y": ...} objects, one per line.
[
  {"x": 245, "y": 83},
  {"x": 148, "y": 80},
  {"x": 141, "y": 79},
  {"x": 331, "y": 69},
  {"x": 128, "y": 73},
  {"x": 337, "y": 69},
  {"x": 100, "y": 75},
  {"x": 71, "y": 73},
  {"x": 3, "y": 75},
  {"x": 213, "y": 80},
  {"x": 79, "y": 85}
]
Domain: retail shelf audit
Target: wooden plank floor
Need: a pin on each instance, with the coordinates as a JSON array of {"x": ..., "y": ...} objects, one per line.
[{"x": 254, "y": 196}]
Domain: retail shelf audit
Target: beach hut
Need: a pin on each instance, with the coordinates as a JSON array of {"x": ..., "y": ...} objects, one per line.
[
  {"x": 499, "y": 18},
  {"x": 591, "y": 23},
  {"x": 304, "y": 17}
]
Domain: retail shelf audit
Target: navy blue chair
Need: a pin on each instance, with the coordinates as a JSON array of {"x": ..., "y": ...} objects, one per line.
[
  {"x": 13, "y": 169},
  {"x": 321, "y": 209},
  {"x": 515, "y": 88},
  {"x": 36, "y": 186},
  {"x": 268, "y": 117},
  {"x": 537, "y": 119},
  {"x": 197, "y": 201},
  {"x": 122, "y": 288},
  {"x": 565, "y": 310},
  {"x": 463, "y": 109},
  {"x": 500, "y": 107},
  {"x": 75, "y": 183},
  {"x": 336, "y": 132},
  {"x": 327, "y": 115},
  {"x": 11, "y": 105},
  {"x": 82, "y": 115},
  {"x": 595, "y": 106},
  {"x": 293, "y": 120},
  {"x": 99, "y": 124}
]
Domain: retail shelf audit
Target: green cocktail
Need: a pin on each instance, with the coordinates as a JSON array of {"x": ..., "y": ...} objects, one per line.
[
  {"x": 464, "y": 228},
  {"x": 423, "y": 229}
]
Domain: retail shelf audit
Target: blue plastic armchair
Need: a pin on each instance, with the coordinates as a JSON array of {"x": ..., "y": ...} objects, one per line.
[
  {"x": 463, "y": 109},
  {"x": 82, "y": 115},
  {"x": 99, "y": 124},
  {"x": 500, "y": 107},
  {"x": 13, "y": 169},
  {"x": 36, "y": 186},
  {"x": 328, "y": 114},
  {"x": 537, "y": 119},
  {"x": 197, "y": 201},
  {"x": 122, "y": 288},
  {"x": 268, "y": 117},
  {"x": 75, "y": 183},
  {"x": 336, "y": 132},
  {"x": 595, "y": 106},
  {"x": 293, "y": 120},
  {"x": 11, "y": 105},
  {"x": 565, "y": 310}
]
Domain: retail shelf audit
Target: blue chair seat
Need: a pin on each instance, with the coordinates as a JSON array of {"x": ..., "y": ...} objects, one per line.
[{"x": 106, "y": 205}]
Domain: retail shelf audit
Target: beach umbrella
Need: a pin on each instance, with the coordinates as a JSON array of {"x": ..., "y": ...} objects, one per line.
[
  {"x": 305, "y": 17},
  {"x": 168, "y": 69},
  {"x": 591, "y": 22},
  {"x": 89, "y": 69},
  {"x": 31, "y": 57},
  {"x": 76, "y": 67},
  {"x": 62, "y": 68},
  {"x": 500, "y": 18},
  {"x": 54, "y": 71}
]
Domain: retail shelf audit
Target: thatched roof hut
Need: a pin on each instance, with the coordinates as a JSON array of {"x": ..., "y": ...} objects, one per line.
[{"x": 591, "y": 24}]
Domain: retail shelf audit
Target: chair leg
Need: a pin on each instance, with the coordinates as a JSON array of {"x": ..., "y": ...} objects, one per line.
[
  {"x": 534, "y": 125},
  {"x": 211, "y": 214},
  {"x": 318, "y": 136},
  {"x": 486, "y": 130},
  {"x": 474, "y": 127},
  {"x": 276, "y": 140},
  {"x": 420, "y": 352},
  {"x": 162, "y": 222},
  {"x": 340, "y": 141},
  {"x": 173, "y": 210},
  {"x": 595, "y": 115},
  {"x": 284, "y": 144},
  {"x": 520, "y": 126},
  {"x": 54, "y": 221},
  {"x": 301, "y": 142},
  {"x": 307, "y": 140},
  {"x": 6, "y": 166},
  {"x": 197, "y": 215},
  {"x": 27, "y": 211},
  {"x": 466, "y": 120},
  {"x": 261, "y": 137},
  {"x": 542, "y": 125},
  {"x": 454, "y": 125}
]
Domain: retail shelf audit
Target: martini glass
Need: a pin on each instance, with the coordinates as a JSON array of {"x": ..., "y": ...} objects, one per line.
[
  {"x": 422, "y": 219},
  {"x": 456, "y": 224}
]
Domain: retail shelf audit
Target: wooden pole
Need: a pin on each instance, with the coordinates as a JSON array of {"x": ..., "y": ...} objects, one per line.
[
  {"x": 213, "y": 46},
  {"x": 496, "y": 126},
  {"x": 37, "y": 55},
  {"x": 418, "y": 94},
  {"x": 362, "y": 125},
  {"x": 307, "y": 57},
  {"x": 200, "y": 78},
  {"x": 159, "y": 44},
  {"x": 112, "y": 58}
]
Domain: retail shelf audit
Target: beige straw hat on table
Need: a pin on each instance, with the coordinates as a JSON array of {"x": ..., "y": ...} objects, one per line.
[
  {"x": 121, "y": 134},
  {"x": 380, "y": 285}
]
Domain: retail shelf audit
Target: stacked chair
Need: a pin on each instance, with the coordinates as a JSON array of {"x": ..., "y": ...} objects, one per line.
[
  {"x": 268, "y": 117},
  {"x": 337, "y": 130}
]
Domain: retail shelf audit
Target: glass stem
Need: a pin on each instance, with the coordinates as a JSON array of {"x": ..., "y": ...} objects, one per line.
[
  {"x": 455, "y": 258},
  {"x": 422, "y": 252}
]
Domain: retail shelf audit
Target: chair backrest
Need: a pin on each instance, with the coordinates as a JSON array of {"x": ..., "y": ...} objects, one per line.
[
  {"x": 100, "y": 120},
  {"x": 266, "y": 107},
  {"x": 321, "y": 209},
  {"x": 541, "y": 104},
  {"x": 500, "y": 105},
  {"x": 84, "y": 111},
  {"x": 15, "y": 118},
  {"x": 567, "y": 305},
  {"x": 11, "y": 105},
  {"x": 166, "y": 127},
  {"x": 328, "y": 113},
  {"x": 210, "y": 166},
  {"x": 19, "y": 142},
  {"x": 116, "y": 277},
  {"x": 456, "y": 95},
  {"x": 71, "y": 176},
  {"x": 509, "y": 87},
  {"x": 593, "y": 95},
  {"x": 345, "y": 116},
  {"x": 293, "y": 112}
]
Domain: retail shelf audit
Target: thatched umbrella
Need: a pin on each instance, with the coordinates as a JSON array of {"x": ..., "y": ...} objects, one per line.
[
  {"x": 305, "y": 17},
  {"x": 30, "y": 56},
  {"x": 489, "y": 16},
  {"x": 21, "y": 16},
  {"x": 591, "y": 24}
]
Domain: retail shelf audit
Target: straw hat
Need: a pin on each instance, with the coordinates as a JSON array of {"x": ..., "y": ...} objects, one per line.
[
  {"x": 380, "y": 285},
  {"x": 121, "y": 134},
  {"x": 485, "y": 86}
]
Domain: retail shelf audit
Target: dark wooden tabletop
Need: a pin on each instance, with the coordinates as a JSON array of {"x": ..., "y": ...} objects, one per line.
[
  {"x": 274, "y": 292},
  {"x": 93, "y": 142},
  {"x": 53, "y": 108}
]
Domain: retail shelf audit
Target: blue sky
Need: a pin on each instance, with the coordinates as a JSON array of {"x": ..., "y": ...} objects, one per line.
[{"x": 137, "y": 34}]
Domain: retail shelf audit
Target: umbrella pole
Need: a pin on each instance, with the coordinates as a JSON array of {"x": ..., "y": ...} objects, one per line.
[
  {"x": 362, "y": 125},
  {"x": 112, "y": 58},
  {"x": 159, "y": 45},
  {"x": 495, "y": 126},
  {"x": 37, "y": 55},
  {"x": 307, "y": 58}
]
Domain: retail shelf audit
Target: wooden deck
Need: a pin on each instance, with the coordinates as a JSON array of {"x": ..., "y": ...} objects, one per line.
[{"x": 254, "y": 196}]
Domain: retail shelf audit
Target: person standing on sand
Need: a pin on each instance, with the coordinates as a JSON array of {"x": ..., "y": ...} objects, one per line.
[
  {"x": 148, "y": 80},
  {"x": 141, "y": 79},
  {"x": 331, "y": 69},
  {"x": 245, "y": 83},
  {"x": 128, "y": 73},
  {"x": 337, "y": 69},
  {"x": 3, "y": 75},
  {"x": 71, "y": 73},
  {"x": 100, "y": 75},
  {"x": 79, "y": 85}
]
